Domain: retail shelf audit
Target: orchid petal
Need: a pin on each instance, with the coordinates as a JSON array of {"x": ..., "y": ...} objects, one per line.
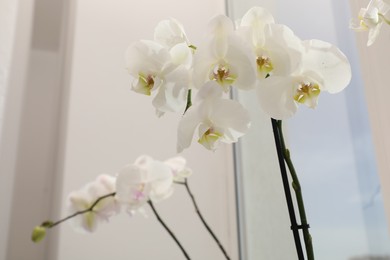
[
  {"x": 276, "y": 97},
  {"x": 220, "y": 27},
  {"x": 285, "y": 48},
  {"x": 230, "y": 115},
  {"x": 171, "y": 96},
  {"x": 373, "y": 34},
  {"x": 210, "y": 90},
  {"x": 203, "y": 63},
  {"x": 161, "y": 180},
  {"x": 178, "y": 167},
  {"x": 170, "y": 33},
  {"x": 186, "y": 128},
  {"x": 181, "y": 55},
  {"x": 146, "y": 57},
  {"x": 216, "y": 119},
  {"x": 241, "y": 64},
  {"x": 256, "y": 18},
  {"x": 131, "y": 185},
  {"x": 329, "y": 62}
]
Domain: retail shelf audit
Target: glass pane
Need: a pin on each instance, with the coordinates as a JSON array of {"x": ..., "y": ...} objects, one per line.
[{"x": 332, "y": 150}]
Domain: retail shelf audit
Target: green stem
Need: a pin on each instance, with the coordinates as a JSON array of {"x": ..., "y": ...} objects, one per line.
[
  {"x": 298, "y": 193},
  {"x": 189, "y": 102}
]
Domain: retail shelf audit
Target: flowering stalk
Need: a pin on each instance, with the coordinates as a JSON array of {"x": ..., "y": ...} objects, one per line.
[
  {"x": 185, "y": 183},
  {"x": 39, "y": 232},
  {"x": 286, "y": 186},
  {"x": 298, "y": 193},
  {"x": 167, "y": 229},
  {"x": 83, "y": 211}
]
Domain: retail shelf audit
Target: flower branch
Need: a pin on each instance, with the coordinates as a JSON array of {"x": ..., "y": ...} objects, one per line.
[
  {"x": 299, "y": 196},
  {"x": 145, "y": 181},
  {"x": 83, "y": 211},
  {"x": 167, "y": 229},
  {"x": 197, "y": 210},
  {"x": 286, "y": 187},
  {"x": 39, "y": 232}
]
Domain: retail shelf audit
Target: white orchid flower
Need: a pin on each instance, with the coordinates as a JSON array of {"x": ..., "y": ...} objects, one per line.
[
  {"x": 224, "y": 58},
  {"x": 276, "y": 49},
  {"x": 146, "y": 179},
  {"x": 255, "y": 19},
  {"x": 162, "y": 72},
  {"x": 251, "y": 29},
  {"x": 216, "y": 119},
  {"x": 179, "y": 168},
  {"x": 87, "y": 196},
  {"x": 324, "y": 68},
  {"x": 169, "y": 33},
  {"x": 371, "y": 19}
]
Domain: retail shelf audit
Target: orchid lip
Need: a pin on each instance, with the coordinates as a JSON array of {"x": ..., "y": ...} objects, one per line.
[
  {"x": 147, "y": 83},
  {"x": 307, "y": 93},
  {"x": 264, "y": 64},
  {"x": 209, "y": 138},
  {"x": 223, "y": 76}
]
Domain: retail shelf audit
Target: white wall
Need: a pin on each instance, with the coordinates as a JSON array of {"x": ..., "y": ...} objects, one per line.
[
  {"x": 107, "y": 126},
  {"x": 15, "y": 20},
  {"x": 7, "y": 30}
]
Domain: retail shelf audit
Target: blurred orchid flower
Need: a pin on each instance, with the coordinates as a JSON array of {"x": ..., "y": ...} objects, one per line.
[
  {"x": 146, "y": 179},
  {"x": 216, "y": 119},
  {"x": 83, "y": 199},
  {"x": 178, "y": 167},
  {"x": 372, "y": 18}
]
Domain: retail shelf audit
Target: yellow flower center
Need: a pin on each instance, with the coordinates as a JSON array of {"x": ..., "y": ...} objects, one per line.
[
  {"x": 307, "y": 93},
  {"x": 147, "y": 84},
  {"x": 222, "y": 75},
  {"x": 264, "y": 65},
  {"x": 209, "y": 138}
]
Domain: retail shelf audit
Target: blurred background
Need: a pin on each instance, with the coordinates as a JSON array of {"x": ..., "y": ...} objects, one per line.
[{"x": 67, "y": 114}]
